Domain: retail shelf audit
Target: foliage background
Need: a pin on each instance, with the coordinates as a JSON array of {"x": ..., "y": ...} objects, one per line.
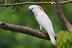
[{"x": 20, "y": 15}]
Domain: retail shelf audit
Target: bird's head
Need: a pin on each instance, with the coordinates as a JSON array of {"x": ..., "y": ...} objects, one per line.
[{"x": 35, "y": 8}]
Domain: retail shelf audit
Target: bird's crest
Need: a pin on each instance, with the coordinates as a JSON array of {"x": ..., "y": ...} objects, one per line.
[{"x": 40, "y": 8}]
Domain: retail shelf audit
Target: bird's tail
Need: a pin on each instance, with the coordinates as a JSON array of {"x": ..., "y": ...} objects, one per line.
[
  {"x": 51, "y": 35},
  {"x": 53, "y": 40}
]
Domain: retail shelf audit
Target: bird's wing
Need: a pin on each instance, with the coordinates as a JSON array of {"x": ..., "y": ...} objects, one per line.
[{"x": 44, "y": 21}]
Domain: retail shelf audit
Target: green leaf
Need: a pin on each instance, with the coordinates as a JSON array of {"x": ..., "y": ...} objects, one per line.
[{"x": 64, "y": 40}]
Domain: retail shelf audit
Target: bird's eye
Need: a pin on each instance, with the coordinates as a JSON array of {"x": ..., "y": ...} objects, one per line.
[{"x": 32, "y": 8}]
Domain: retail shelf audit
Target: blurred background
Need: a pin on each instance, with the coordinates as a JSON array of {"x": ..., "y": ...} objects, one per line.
[{"x": 19, "y": 15}]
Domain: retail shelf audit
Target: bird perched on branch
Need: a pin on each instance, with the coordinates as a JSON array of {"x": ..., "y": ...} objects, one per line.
[{"x": 43, "y": 20}]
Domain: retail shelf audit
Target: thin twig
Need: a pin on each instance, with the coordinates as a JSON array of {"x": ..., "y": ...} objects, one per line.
[
  {"x": 23, "y": 3},
  {"x": 6, "y": 1}
]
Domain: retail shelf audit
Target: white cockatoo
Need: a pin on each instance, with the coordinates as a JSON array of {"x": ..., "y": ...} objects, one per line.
[{"x": 43, "y": 20}]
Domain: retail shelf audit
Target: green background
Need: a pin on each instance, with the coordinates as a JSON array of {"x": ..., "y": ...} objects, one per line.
[{"x": 19, "y": 15}]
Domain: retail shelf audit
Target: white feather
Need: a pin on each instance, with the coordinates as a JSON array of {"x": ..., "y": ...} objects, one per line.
[{"x": 44, "y": 21}]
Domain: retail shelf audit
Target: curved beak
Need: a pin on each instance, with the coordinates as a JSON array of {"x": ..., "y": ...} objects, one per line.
[{"x": 31, "y": 11}]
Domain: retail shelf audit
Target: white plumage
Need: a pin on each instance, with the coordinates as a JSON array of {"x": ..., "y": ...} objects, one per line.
[{"x": 44, "y": 21}]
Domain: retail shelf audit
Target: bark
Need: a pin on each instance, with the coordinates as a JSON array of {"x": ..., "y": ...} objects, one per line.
[
  {"x": 25, "y": 30},
  {"x": 61, "y": 16},
  {"x": 23, "y": 3}
]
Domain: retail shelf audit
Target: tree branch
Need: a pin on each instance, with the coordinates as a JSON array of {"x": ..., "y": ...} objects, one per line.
[
  {"x": 61, "y": 16},
  {"x": 22, "y": 3},
  {"x": 25, "y": 30},
  {"x": 66, "y": 2}
]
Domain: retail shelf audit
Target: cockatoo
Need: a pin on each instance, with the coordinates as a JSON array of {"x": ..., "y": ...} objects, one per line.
[{"x": 43, "y": 20}]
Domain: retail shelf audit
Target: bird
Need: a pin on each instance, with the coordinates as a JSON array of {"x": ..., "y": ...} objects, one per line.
[{"x": 43, "y": 21}]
